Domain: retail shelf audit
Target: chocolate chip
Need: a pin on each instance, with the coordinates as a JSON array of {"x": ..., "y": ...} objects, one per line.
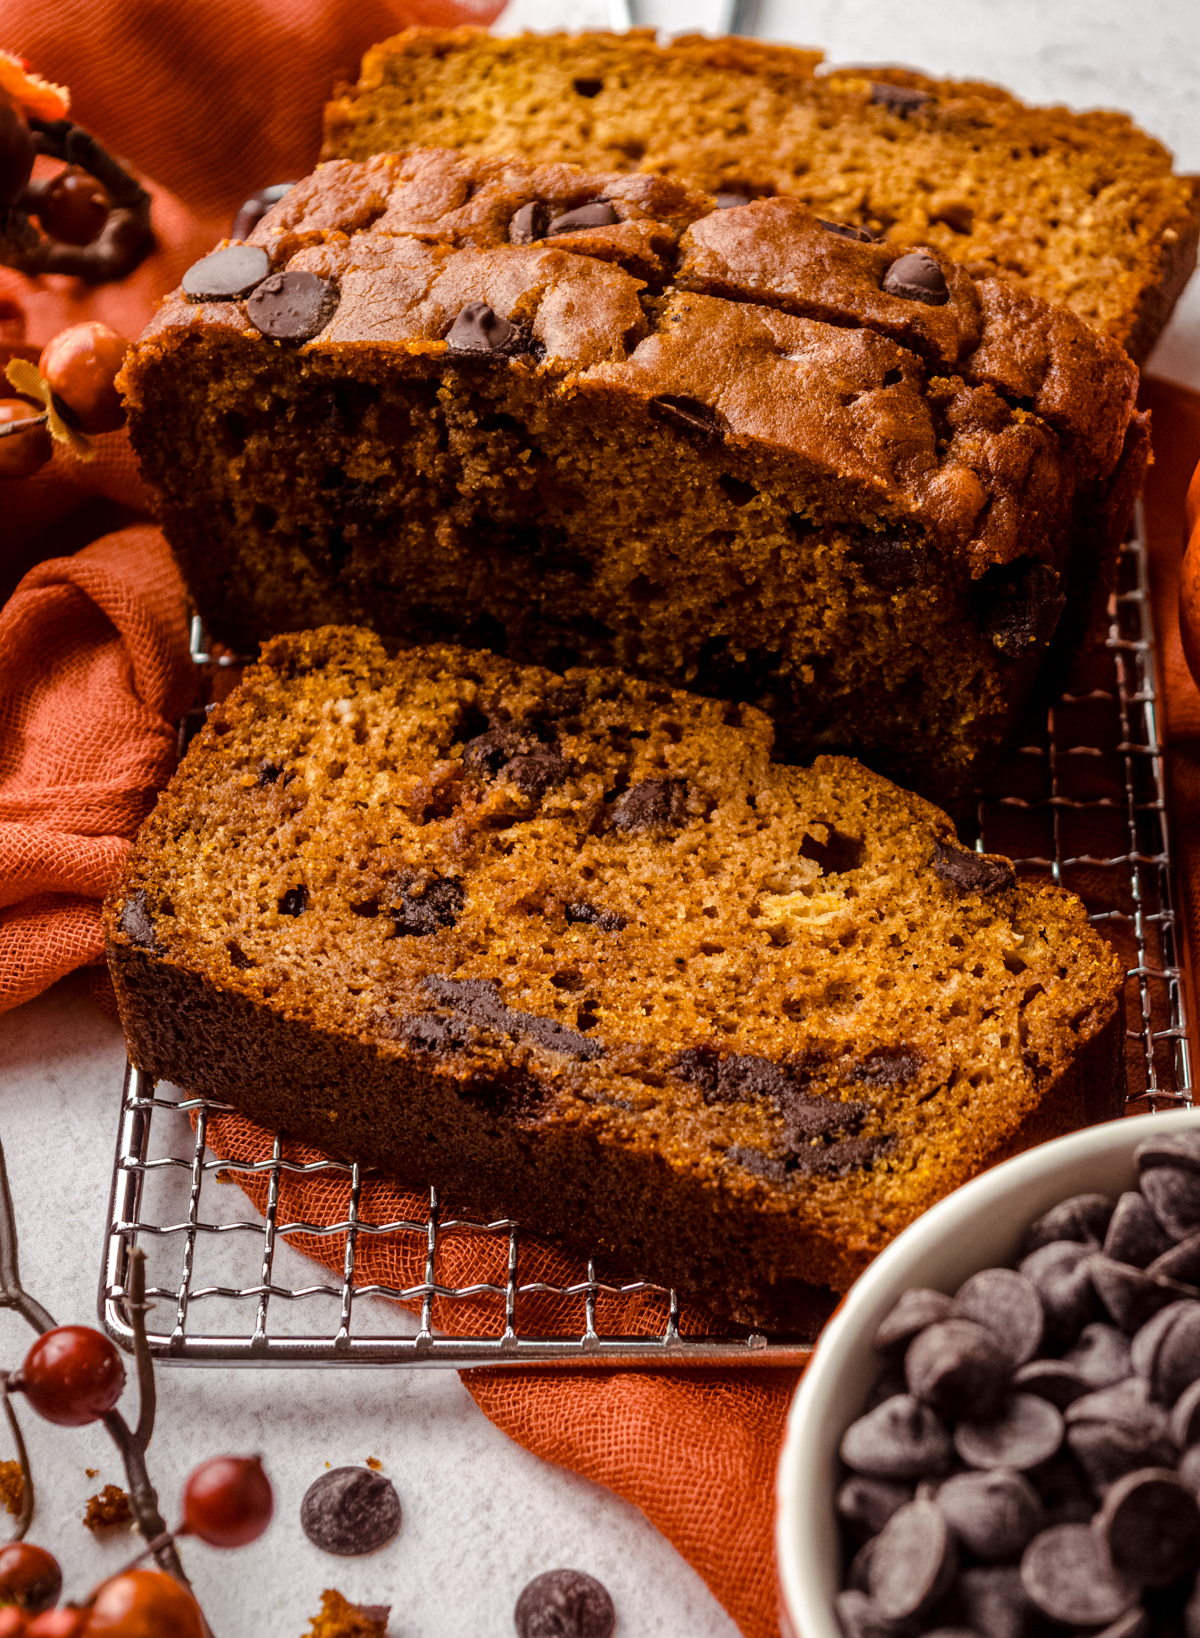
[
  {"x": 898, "y": 99},
  {"x": 991, "y": 1602},
  {"x": 1177, "y": 1148},
  {"x": 865, "y": 1505},
  {"x": 480, "y": 329},
  {"x": 690, "y": 416},
  {"x": 1181, "y": 1263},
  {"x": 1135, "y": 1623},
  {"x": 1131, "y": 1295},
  {"x": 846, "y": 230},
  {"x": 969, "y": 872},
  {"x": 1166, "y": 1351},
  {"x": 564, "y": 1604},
  {"x": 1084, "y": 1217},
  {"x": 1027, "y": 1432},
  {"x": 1064, "y": 1489},
  {"x": 226, "y": 275},
  {"x": 1068, "y": 1574},
  {"x": 888, "y": 561},
  {"x": 884, "y": 1068},
  {"x": 1151, "y": 1523},
  {"x": 733, "y": 201},
  {"x": 1189, "y": 1467},
  {"x": 488, "y": 752},
  {"x": 599, "y": 213},
  {"x": 294, "y": 902},
  {"x": 957, "y": 1368},
  {"x": 1135, "y": 1235},
  {"x": 1174, "y": 1196},
  {"x": 1053, "y": 1380},
  {"x": 994, "y": 1515},
  {"x": 654, "y": 804},
  {"x": 916, "y": 1309},
  {"x": 529, "y": 223},
  {"x": 1007, "y": 1304},
  {"x": 1060, "y": 1274},
  {"x": 917, "y": 277},
  {"x": 350, "y": 1510},
  {"x": 1100, "y": 1357},
  {"x": 913, "y": 1563},
  {"x": 858, "y": 1573},
  {"x": 1185, "y": 1418},
  {"x": 256, "y": 207},
  {"x": 477, "y": 1002},
  {"x": 608, "y": 921},
  {"x": 136, "y": 922},
  {"x": 537, "y": 771},
  {"x": 428, "y": 905},
  {"x": 293, "y": 306},
  {"x": 900, "y": 1439},
  {"x": 1117, "y": 1430},
  {"x": 1018, "y": 605},
  {"x": 268, "y": 773},
  {"x": 859, "y": 1618}
]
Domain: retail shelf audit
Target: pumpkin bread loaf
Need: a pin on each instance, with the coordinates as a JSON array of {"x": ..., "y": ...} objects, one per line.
[
  {"x": 1081, "y": 209},
  {"x": 576, "y": 948},
  {"x": 592, "y": 419}
]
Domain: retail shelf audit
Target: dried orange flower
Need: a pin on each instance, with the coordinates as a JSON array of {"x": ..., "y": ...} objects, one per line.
[{"x": 31, "y": 93}]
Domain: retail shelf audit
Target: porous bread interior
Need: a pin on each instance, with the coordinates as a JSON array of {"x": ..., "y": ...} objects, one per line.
[
  {"x": 795, "y": 916},
  {"x": 566, "y": 536},
  {"x": 1081, "y": 209}
]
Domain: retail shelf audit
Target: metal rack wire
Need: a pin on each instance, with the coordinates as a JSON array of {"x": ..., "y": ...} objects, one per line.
[{"x": 1082, "y": 801}]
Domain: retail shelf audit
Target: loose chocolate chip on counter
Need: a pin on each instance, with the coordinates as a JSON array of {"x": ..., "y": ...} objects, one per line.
[
  {"x": 1181, "y": 1263},
  {"x": 256, "y": 207},
  {"x": 480, "y": 329},
  {"x": 426, "y": 907},
  {"x": 1166, "y": 1351},
  {"x": 293, "y": 306},
  {"x": 1185, "y": 1418},
  {"x": 917, "y": 277},
  {"x": 732, "y": 201},
  {"x": 608, "y": 921},
  {"x": 969, "y": 872},
  {"x": 865, "y": 1505},
  {"x": 1131, "y": 1295},
  {"x": 958, "y": 1369},
  {"x": 226, "y": 275},
  {"x": 529, "y": 223},
  {"x": 1135, "y": 1235},
  {"x": 294, "y": 902},
  {"x": 916, "y": 1309},
  {"x": 350, "y": 1510},
  {"x": 688, "y": 415},
  {"x": 137, "y": 923},
  {"x": 1061, "y": 1275},
  {"x": 1052, "y": 1379},
  {"x": 898, "y": 99},
  {"x": 597, "y": 213},
  {"x": 1151, "y": 1522},
  {"x": 1084, "y": 1217},
  {"x": 1068, "y": 1574},
  {"x": 1174, "y": 1196},
  {"x": 900, "y": 1439},
  {"x": 564, "y": 1604},
  {"x": 1100, "y": 1357},
  {"x": 913, "y": 1562},
  {"x": 1117, "y": 1430},
  {"x": 847, "y": 230},
  {"x": 1028, "y": 1432},
  {"x": 654, "y": 804},
  {"x": 994, "y": 1515},
  {"x": 1008, "y": 1306}
]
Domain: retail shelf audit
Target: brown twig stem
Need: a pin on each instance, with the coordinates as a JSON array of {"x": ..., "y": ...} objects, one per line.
[{"x": 9, "y": 429}]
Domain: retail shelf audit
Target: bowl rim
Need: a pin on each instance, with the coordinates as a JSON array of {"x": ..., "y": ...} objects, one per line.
[{"x": 804, "y": 1524}]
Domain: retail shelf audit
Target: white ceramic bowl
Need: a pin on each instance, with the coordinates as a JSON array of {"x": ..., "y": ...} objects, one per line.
[{"x": 981, "y": 1225}]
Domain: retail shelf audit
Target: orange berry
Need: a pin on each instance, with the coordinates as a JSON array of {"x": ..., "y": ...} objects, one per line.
[
  {"x": 23, "y": 453},
  {"x": 60, "y": 1623},
  {"x": 73, "y": 207},
  {"x": 29, "y": 1577},
  {"x": 144, "y": 1604},
  {"x": 81, "y": 366}
]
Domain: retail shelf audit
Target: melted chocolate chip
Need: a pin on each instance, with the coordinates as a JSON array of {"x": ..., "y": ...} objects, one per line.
[
  {"x": 564, "y": 1604},
  {"x": 847, "y": 230},
  {"x": 529, "y": 223},
  {"x": 136, "y": 922},
  {"x": 476, "y": 1001},
  {"x": 350, "y": 1510},
  {"x": 690, "y": 416},
  {"x": 732, "y": 201},
  {"x": 256, "y": 207},
  {"x": 599, "y": 213},
  {"x": 226, "y": 275},
  {"x": 608, "y": 921},
  {"x": 917, "y": 277},
  {"x": 898, "y": 99},
  {"x": 883, "y": 1068},
  {"x": 841, "y": 1156},
  {"x": 586, "y": 87},
  {"x": 294, "y": 306},
  {"x": 1018, "y": 605},
  {"x": 238, "y": 957},
  {"x": 480, "y": 329},
  {"x": 487, "y": 753},
  {"x": 888, "y": 561},
  {"x": 969, "y": 872},
  {"x": 537, "y": 771},
  {"x": 294, "y": 902},
  {"x": 268, "y": 773},
  {"x": 424, "y": 908},
  {"x": 654, "y": 804}
]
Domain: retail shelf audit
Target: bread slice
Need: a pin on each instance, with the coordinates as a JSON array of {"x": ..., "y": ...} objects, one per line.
[
  {"x": 1081, "y": 209},
  {"x": 576, "y": 948},
  {"x": 731, "y": 449}
]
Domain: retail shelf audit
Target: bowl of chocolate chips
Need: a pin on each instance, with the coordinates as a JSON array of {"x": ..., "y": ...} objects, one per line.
[{"x": 999, "y": 1433}]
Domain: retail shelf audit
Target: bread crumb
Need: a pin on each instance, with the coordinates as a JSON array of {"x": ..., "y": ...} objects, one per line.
[
  {"x": 12, "y": 1486},
  {"x": 92, "y": 1472},
  {"x": 108, "y": 1510},
  {"x": 341, "y": 1619},
  {"x": 374, "y": 1464}
]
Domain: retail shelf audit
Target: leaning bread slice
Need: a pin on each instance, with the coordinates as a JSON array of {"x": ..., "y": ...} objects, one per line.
[{"x": 578, "y": 949}]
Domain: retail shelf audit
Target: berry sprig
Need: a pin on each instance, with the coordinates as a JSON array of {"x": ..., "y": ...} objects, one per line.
[
  {"x": 74, "y": 380},
  {"x": 73, "y": 1376}
]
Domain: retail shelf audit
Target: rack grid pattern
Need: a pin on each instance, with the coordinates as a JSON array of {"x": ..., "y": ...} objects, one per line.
[{"x": 1081, "y": 802}]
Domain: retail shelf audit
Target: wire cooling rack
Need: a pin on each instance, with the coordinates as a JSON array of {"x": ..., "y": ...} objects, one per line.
[{"x": 1081, "y": 801}]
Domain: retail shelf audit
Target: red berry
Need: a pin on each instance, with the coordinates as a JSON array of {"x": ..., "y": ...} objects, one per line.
[
  {"x": 29, "y": 1577},
  {"x": 72, "y": 1375},
  {"x": 144, "y": 1604},
  {"x": 12, "y": 1622},
  {"x": 62, "y": 1623},
  {"x": 80, "y": 366},
  {"x": 227, "y": 1501},
  {"x": 24, "y": 453},
  {"x": 16, "y": 154},
  {"x": 73, "y": 207}
]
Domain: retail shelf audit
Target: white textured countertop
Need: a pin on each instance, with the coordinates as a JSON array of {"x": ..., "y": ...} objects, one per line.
[{"x": 481, "y": 1516}]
